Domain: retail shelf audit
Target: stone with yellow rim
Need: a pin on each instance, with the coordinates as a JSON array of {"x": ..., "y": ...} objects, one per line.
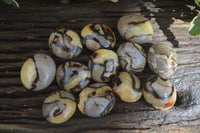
[
  {"x": 96, "y": 100},
  {"x": 98, "y": 36},
  {"x": 103, "y": 65},
  {"x": 160, "y": 93},
  {"x": 59, "y": 107},
  {"x": 65, "y": 43},
  {"x": 127, "y": 87},
  {"x": 38, "y": 72},
  {"x": 135, "y": 28},
  {"x": 73, "y": 76}
]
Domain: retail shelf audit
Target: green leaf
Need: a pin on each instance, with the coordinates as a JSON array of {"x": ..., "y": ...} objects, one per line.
[
  {"x": 8, "y": 1},
  {"x": 197, "y": 2},
  {"x": 194, "y": 27},
  {"x": 13, "y": 2}
]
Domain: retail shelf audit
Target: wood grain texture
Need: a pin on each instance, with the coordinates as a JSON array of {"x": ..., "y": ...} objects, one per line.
[{"x": 25, "y": 31}]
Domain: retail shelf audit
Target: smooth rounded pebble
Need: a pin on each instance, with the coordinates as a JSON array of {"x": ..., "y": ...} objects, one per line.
[
  {"x": 131, "y": 57},
  {"x": 65, "y": 43},
  {"x": 96, "y": 100},
  {"x": 73, "y": 76},
  {"x": 98, "y": 36},
  {"x": 127, "y": 87},
  {"x": 103, "y": 65},
  {"x": 38, "y": 72},
  {"x": 59, "y": 107},
  {"x": 162, "y": 60},
  {"x": 160, "y": 93},
  {"x": 135, "y": 28}
]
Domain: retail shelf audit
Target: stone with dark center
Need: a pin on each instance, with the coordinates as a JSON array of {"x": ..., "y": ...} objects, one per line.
[
  {"x": 103, "y": 65},
  {"x": 131, "y": 57},
  {"x": 65, "y": 43},
  {"x": 73, "y": 76},
  {"x": 160, "y": 93},
  {"x": 98, "y": 36},
  {"x": 59, "y": 107},
  {"x": 96, "y": 100}
]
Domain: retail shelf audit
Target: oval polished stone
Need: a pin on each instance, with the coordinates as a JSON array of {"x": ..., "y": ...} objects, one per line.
[
  {"x": 98, "y": 36},
  {"x": 96, "y": 100},
  {"x": 103, "y": 64},
  {"x": 65, "y": 43},
  {"x": 59, "y": 107},
  {"x": 131, "y": 57},
  {"x": 37, "y": 73},
  {"x": 162, "y": 60},
  {"x": 73, "y": 76},
  {"x": 160, "y": 93},
  {"x": 127, "y": 87},
  {"x": 135, "y": 28}
]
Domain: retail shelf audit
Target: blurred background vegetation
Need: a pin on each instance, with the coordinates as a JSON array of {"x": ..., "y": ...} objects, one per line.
[{"x": 15, "y": 3}]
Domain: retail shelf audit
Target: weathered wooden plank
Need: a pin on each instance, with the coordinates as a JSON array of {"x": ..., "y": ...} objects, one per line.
[
  {"x": 39, "y": 36},
  {"x": 129, "y": 119}
]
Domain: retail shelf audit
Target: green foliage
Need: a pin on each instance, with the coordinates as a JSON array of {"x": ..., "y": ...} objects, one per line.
[
  {"x": 13, "y": 2},
  {"x": 194, "y": 27},
  {"x": 197, "y": 2}
]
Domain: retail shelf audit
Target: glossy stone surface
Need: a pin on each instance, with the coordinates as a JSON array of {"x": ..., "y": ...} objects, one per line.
[
  {"x": 96, "y": 100},
  {"x": 160, "y": 93},
  {"x": 103, "y": 65},
  {"x": 162, "y": 60},
  {"x": 65, "y": 43},
  {"x": 135, "y": 28},
  {"x": 98, "y": 36},
  {"x": 38, "y": 72},
  {"x": 73, "y": 76},
  {"x": 127, "y": 87},
  {"x": 131, "y": 57},
  {"x": 59, "y": 107}
]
